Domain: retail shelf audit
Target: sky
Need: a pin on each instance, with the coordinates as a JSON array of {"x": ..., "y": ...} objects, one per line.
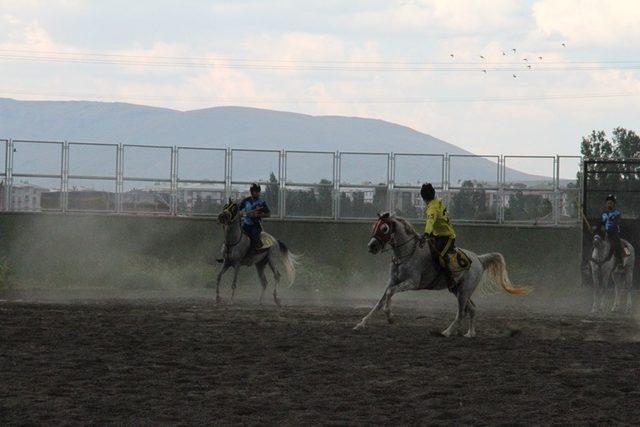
[{"x": 390, "y": 60}]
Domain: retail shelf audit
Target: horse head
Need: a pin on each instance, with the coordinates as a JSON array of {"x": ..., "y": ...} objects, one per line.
[
  {"x": 229, "y": 213},
  {"x": 381, "y": 232},
  {"x": 597, "y": 241}
]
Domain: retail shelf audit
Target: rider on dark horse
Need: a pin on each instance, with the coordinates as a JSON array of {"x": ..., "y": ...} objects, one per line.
[
  {"x": 439, "y": 230},
  {"x": 611, "y": 222},
  {"x": 254, "y": 209}
]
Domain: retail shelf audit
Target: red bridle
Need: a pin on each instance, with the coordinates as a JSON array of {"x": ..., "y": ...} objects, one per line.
[{"x": 383, "y": 229}]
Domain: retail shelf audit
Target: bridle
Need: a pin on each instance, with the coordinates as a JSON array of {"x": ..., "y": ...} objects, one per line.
[
  {"x": 384, "y": 232},
  {"x": 230, "y": 210}
]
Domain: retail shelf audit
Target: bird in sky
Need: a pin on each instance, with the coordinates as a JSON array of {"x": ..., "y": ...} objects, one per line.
[
  {"x": 484, "y": 71},
  {"x": 529, "y": 66},
  {"x": 514, "y": 50},
  {"x": 540, "y": 58},
  {"x": 503, "y": 54},
  {"x": 451, "y": 55},
  {"x": 564, "y": 45},
  {"x": 524, "y": 59},
  {"x": 481, "y": 56},
  {"x": 514, "y": 76}
]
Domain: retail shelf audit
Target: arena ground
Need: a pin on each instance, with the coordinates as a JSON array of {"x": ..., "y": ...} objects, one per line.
[{"x": 190, "y": 361}]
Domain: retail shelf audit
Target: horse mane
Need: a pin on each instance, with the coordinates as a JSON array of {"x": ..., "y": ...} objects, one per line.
[{"x": 408, "y": 228}]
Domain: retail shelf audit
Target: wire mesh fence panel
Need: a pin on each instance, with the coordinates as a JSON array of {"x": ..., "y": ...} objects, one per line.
[
  {"x": 37, "y": 158},
  {"x": 146, "y": 182},
  {"x": 530, "y": 173},
  {"x": 93, "y": 160},
  {"x": 146, "y": 196},
  {"x": 146, "y": 162},
  {"x": 303, "y": 167},
  {"x": 92, "y": 175},
  {"x": 201, "y": 164},
  {"x": 249, "y": 166},
  {"x": 4, "y": 190},
  {"x": 370, "y": 169},
  {"x": 569, "y": 171},
  {"x": 205, "y": 199},
  {"x": 412, "y": 170},
  {"x": 309, "y": 180},
  {"x": 36, "y": 194},
  {"x": 472, "y": 202},
  {"x": 569, "y": 206},
  {"x": 91, "y": 195},
  {"x": 309, "y": 201},
  {"x": 531, "y": 206},
  {"x": 363, "y": 202},
  {"x": 407, "y": 203},
  {"x": 37, "y": 176},
  {"x": 481, "y": 171}
]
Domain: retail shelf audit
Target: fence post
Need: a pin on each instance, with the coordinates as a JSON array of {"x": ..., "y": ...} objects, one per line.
[
  {"x": 336, "y": 196},
  {"x": 174, "y": 182},
  {"x": 391, "y": 180},
  {"x": 9, "y": 176},
  {"x": 446, "y": 178},
  {"x": 556, "y": 190},
  {"x": 282, "y": 178},
  {"x": 64, "y": 184},
  {"x": 119, "y": 177},
  {"x": 500, "y": 202}
]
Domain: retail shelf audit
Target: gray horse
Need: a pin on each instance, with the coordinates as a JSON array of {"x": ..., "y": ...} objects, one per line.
[
  {"x": 236, "y": 252},
  {"x": 413, "y": 268},
  {"x": 603, "y": 269}
]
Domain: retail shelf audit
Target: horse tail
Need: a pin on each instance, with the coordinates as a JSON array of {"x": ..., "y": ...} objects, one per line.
[
  {"x": 289, "y": 260},
  {"x": 495, "y": 269}
]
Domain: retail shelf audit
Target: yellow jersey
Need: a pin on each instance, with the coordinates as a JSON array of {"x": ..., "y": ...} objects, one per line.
[{"x": 438, "y": 222}]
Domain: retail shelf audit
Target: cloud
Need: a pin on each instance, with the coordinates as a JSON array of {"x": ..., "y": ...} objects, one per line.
[{"x": 589, "y": 22}]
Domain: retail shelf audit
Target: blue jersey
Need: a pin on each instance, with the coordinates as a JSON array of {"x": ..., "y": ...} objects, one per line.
[
  {"x": 611, "y": 220},
  {"x": 249, "y": 204}
]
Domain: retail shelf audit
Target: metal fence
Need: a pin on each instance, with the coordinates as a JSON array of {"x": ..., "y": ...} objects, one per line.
[{"x": 66, "y": 176}]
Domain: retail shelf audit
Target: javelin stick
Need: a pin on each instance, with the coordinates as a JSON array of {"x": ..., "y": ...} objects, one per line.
[{"x": 586, "y": 221}]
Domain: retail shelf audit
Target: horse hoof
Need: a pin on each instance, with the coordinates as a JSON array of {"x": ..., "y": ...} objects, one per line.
[
  {"x": 278, "y": 302},
  {"x": 390, "y": 320},
  {"x": 445, "y": 334},
  {"x": 359, "y": 327},
  {"x": 470, "y": 335}
]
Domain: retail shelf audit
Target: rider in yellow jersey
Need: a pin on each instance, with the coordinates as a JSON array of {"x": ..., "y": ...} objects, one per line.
[{"x": 438, "y": 227}]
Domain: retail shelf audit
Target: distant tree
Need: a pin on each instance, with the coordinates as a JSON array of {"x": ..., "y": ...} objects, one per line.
[
  {"x": 272, "y": 192},
  {"x": 623, "y": 144}
]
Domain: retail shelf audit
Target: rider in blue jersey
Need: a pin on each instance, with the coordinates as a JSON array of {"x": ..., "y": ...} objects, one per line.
[
  {"x": 611, "y": 222},
  {"x": 254, "y": 209}
]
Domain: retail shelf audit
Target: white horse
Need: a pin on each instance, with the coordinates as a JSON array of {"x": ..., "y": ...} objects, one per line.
[
  {"x": 603, "y": 269},
  {"x": 237, "y": 251},
  {"x": 413, "y": 268}
]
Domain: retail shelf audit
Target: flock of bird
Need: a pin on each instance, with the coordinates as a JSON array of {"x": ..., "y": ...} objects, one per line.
[{"x": 504, "y": 53}]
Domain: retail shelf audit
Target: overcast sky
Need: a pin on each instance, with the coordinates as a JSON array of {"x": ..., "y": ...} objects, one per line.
[{"x": 380, "y": 59}]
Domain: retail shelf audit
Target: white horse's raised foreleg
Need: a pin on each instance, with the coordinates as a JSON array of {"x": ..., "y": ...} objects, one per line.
[
  {"x": 236, "y": 270},
  {"x": 375, "y": 308},
  {"x": 218, "y": 279}
]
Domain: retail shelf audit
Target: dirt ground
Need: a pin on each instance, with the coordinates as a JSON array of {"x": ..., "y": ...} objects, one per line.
[{"x": 189, "y": 361}]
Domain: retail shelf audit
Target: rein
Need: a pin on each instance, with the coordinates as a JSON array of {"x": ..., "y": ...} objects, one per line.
[
  {"x": 399, "y": 260},
  {"x": 607, "y": 258}
]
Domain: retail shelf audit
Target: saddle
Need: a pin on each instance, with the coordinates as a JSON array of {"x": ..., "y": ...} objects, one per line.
[
  {"x": 455, "y": 260},
  {"x": 267, "y": 240}
]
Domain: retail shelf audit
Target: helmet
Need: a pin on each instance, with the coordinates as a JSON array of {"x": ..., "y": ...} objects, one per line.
[
  {"x": 427, "y": 192},
  {"x": 255, "y": 187},
  {"x": 611, "y": 197}
]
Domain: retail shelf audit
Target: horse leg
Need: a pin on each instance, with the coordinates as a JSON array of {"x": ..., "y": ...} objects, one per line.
[
  {"x": 235, "y": 281},
  {"x": 375, "y": 308},
  {"x": 387, "y": 304},
  {"x": 263, "y": 279},
  {"x": 471, "y": 311},
  {"x": 462, "y": 303},
  {"x": 616, "y": 294},
  {"x": 629, "y": 289},
  {"x": 276, "y": 276},
  {"x": 218, "y": 279},
  {"x": 596, "y": 286}
]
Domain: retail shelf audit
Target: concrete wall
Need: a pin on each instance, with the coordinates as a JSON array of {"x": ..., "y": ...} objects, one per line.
[{"x": 144, "y": 252}]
